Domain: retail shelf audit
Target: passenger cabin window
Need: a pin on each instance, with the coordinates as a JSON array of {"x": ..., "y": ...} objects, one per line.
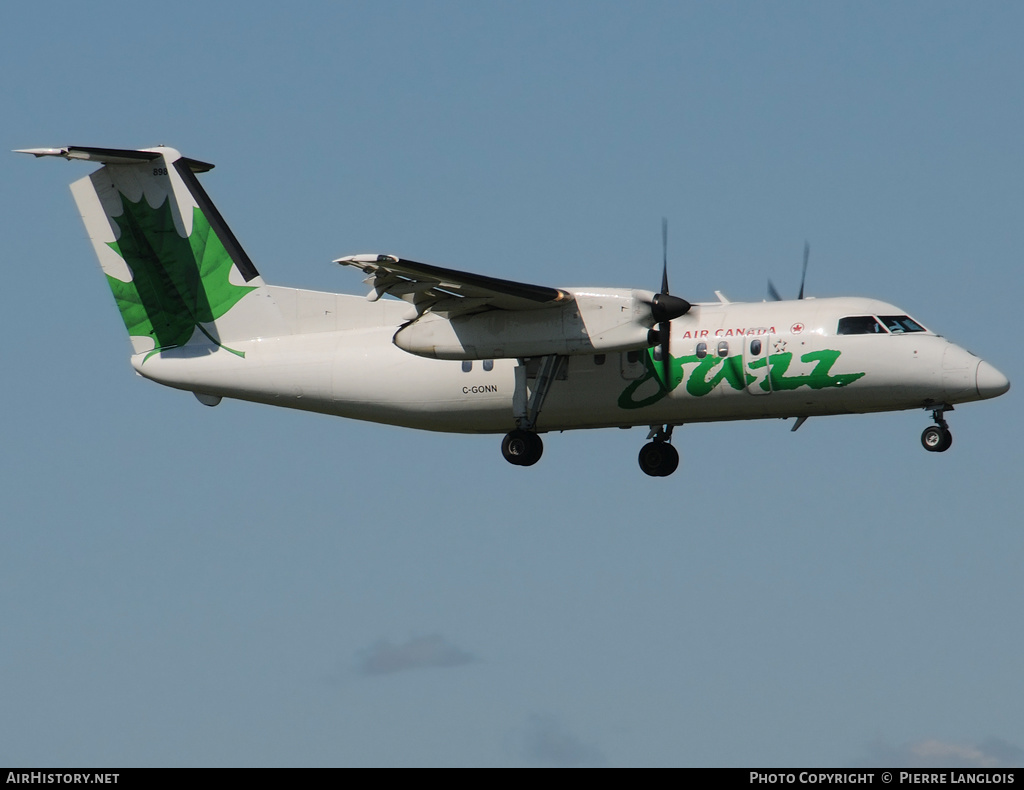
[
  {"x": 467, "y": 365},
  {"x": 860, "y": 325},
  {"x": 723, "y": 348},
  {"x": 599, "y": 359},
  {"x": 898, "y": 324},
  {"x": 755, "y": 347},
  {"x": 488, "y": 364},
  {"x": 702, "y": 350},
  {"x": 633, "y": 356}
]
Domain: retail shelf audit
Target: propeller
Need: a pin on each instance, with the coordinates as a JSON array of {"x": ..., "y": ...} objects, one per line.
[
  {"x": 664, "y": 255},
  {"x": 773, "y": 292},
  {"x": 803, "y": 277},
  {"x": 665, "y": 307}
]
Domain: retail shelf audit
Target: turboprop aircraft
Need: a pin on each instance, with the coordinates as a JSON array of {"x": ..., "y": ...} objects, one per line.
[{"x": 469, "y": 353}]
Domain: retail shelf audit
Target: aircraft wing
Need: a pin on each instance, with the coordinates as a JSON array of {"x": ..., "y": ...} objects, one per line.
[{"x": 438, "y": 290}]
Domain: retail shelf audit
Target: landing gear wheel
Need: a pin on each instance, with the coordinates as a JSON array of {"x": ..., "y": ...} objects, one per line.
[
  {"x": 658, "y": 459},
  {"x": 522, "y": 448},
  {"x": 936, "y": 439}
]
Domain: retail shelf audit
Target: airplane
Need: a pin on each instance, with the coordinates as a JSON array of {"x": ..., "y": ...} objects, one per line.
[{"x": 469, "y": 353}]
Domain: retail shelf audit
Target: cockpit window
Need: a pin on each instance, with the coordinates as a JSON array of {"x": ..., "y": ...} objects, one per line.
[
  {"x": 898, "y": 324},
  {"x": 860, "y": 325}
]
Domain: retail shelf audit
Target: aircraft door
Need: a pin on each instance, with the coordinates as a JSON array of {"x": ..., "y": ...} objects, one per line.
[{"x": 756, "y": 363}]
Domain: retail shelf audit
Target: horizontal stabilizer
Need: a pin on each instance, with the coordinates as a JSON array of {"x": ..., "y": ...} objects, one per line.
[{"x": 112, "y": 156}]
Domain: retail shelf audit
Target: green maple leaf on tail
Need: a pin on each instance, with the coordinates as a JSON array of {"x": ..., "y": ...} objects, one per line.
[{"x": 177, "y": 284}]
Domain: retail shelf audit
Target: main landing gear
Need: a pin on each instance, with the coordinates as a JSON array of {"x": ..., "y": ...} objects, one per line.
[
  {"x": 523, "y": 447},
  {"x": 658, "y": 458},
  {"x": 937, "y": 438}
]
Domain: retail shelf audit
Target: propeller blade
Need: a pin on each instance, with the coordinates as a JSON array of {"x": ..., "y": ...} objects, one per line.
[
  {"x": 666, "y": 307},
  {"x": 773, "y": 292},
  {"x": 664, "y": 255},
  {"x": 666, "y": 360},
  {"x": 803, "y": 277}
]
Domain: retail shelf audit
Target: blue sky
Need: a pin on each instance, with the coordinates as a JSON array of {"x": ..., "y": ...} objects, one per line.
[{"x": 249, "y": 586}]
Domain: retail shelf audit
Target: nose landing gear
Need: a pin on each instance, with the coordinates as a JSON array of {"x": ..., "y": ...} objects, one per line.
[{"x": 937, "y": 438}]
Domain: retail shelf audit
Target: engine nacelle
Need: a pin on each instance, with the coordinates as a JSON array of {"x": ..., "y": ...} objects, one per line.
[{"x": 598, "y": 320}]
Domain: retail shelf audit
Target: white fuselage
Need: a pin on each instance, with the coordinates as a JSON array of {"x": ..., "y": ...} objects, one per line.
[
  {"x": 471, "y": 353},
  {"x": 339, "y": 358}
]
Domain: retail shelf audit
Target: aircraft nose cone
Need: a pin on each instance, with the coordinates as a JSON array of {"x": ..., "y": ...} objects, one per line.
[{"x": 991, "y": 383}]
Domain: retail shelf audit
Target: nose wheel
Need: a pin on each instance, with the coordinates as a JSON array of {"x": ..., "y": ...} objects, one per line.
[{"x": 937, "y": 438}]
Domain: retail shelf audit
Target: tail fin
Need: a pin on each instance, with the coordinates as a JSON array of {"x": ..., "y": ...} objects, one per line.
[{"x": 178, "y": 274}]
